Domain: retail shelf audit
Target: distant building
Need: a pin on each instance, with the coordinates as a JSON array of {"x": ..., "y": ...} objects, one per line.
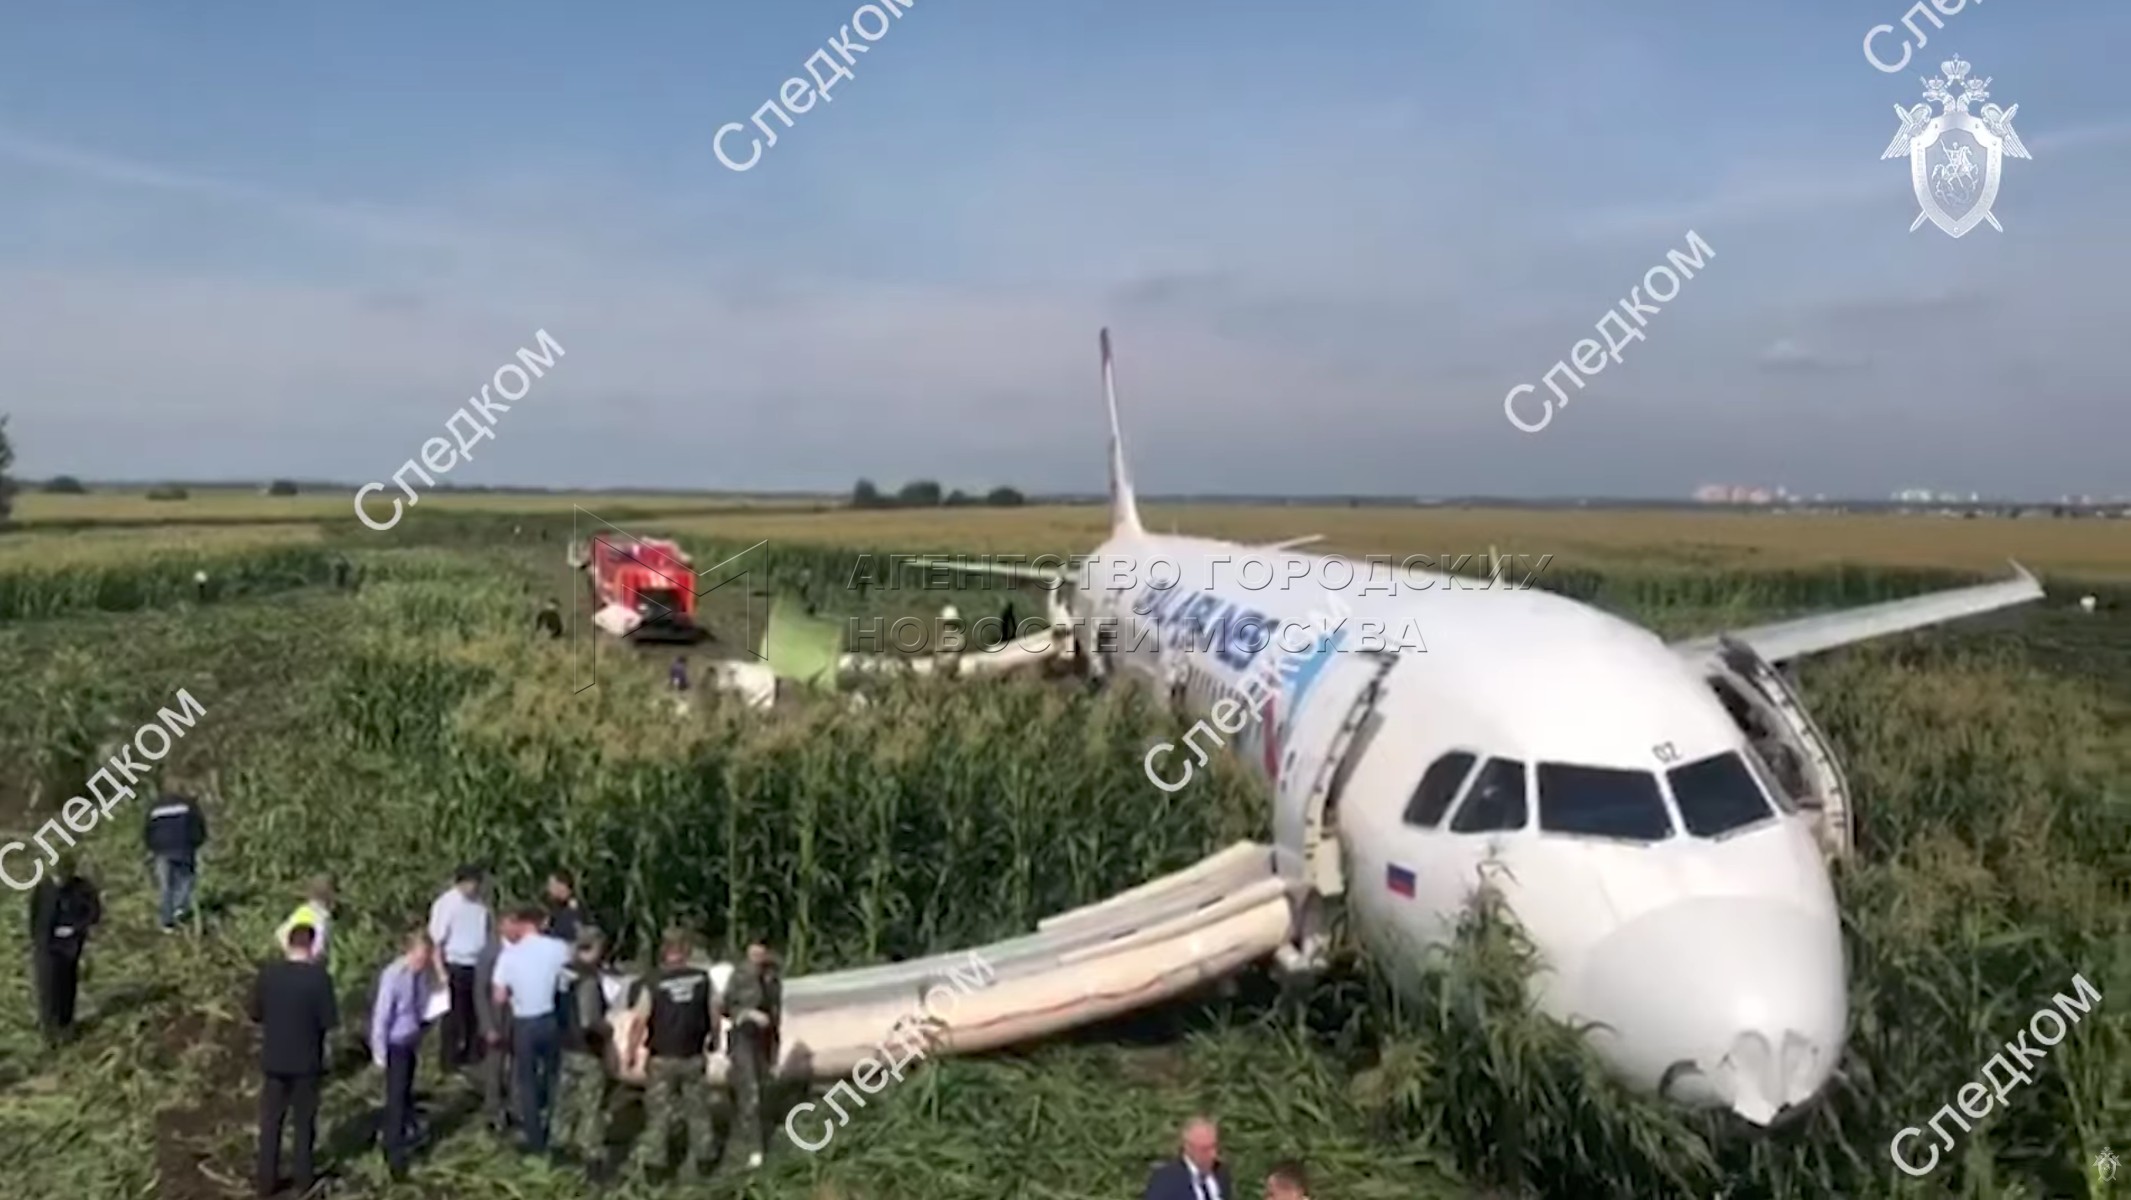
[{"x": 1742, "y": 493}]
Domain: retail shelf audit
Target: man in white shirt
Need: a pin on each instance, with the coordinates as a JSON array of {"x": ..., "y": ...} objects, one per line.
[
  {"x": 529, "y": 973},
  {"x": 459, "y": 925}
]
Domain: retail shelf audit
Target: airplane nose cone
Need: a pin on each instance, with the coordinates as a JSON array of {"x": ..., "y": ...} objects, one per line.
[{"x": 1727, "y": 1003}]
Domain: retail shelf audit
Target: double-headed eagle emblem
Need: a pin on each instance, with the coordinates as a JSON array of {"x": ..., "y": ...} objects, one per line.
[{"x": 1956, "y": 157}]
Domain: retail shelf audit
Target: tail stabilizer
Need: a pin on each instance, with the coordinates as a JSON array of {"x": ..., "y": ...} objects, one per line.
[{"x": 1124, "y": 509}]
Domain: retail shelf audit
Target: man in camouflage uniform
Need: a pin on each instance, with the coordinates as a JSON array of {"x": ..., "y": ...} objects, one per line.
[
  {"x": 755, "y": 1001},
  {"x": 679, "y": 1028},
  {"x": 581, "y": 1082}
]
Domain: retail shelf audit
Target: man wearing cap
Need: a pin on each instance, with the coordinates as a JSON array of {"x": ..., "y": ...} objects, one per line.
[
  {"x": 581, "y": 1083},
  {"x": 459, "y": 925}
]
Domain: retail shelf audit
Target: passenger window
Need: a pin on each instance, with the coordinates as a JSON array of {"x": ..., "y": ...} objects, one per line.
[
  {"x": 1496, "y": 801},
  {"x": 1602, "y": 802},
  {"x": 1438, "y": 787},
  {"x": 1717, "y": 795}
]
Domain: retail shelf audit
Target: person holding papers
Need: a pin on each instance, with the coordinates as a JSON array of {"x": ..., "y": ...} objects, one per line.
[
  {"x": 459, "y": 925},
  {"x": 403, "y": 998}
]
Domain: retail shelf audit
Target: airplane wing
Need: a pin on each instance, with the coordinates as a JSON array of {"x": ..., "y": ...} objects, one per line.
[
  {"x": 1784, "y": 640},
  {"x": 807, "y": 649},
  {"x": 1005, "y": 570}
]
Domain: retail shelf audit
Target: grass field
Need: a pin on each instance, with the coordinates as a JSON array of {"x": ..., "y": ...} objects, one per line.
[{"x": 392, "y": 731}]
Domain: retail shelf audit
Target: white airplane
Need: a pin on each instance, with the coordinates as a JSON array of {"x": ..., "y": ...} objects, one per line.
[{"x": 1659, "y": 811}]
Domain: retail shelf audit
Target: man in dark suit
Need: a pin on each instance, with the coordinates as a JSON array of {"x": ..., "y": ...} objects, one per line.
[
  {"x": 64, "y": 906},
  {"x": 1196, "y": 1173},
  {"x": 292, "y": 1000}
]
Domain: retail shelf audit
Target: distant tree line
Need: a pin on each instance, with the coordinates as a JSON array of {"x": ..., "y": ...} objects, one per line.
[{"x": 925, "y": 493}]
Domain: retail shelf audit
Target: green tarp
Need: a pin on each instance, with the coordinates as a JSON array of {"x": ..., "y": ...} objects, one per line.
[{"x": 802, "y": 647}]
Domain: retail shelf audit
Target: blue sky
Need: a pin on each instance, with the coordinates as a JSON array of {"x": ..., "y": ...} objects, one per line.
[{"x": 251, "y": 240}]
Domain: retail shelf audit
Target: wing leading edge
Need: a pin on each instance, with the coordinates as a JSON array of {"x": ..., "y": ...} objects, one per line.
[{"x": 1783, "y": 640}]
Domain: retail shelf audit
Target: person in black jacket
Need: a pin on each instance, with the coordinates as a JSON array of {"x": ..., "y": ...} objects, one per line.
[
  {"x": 292, "y": 1000},
  {"x": 174, "y": 832},
  {"x": 566, "y": 914},
  {"x": 1197, "y": 1173},
  {"x": 64, "y": 906}
]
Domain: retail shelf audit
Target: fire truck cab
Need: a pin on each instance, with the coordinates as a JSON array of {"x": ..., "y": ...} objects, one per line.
[{"x": 643, "y": 589}]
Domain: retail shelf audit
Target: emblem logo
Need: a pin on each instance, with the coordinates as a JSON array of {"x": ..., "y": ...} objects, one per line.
[
  {"x": 2105, "y": 1165},
  {"x": 1956, "y": 158}
]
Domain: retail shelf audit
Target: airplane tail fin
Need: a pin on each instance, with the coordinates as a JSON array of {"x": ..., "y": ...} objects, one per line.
[{"x": 1124, "y": 509}]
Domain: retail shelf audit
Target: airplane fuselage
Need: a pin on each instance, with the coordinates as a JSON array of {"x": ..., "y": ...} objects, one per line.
[{"x": 1413, "y": 729}]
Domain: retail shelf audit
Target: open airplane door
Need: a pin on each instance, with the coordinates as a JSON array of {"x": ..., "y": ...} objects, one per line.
[
  {"x": 1318, "y": 744},
  {"x": 1787, "y": 739},
  {"x": 1743, "y": 666}
]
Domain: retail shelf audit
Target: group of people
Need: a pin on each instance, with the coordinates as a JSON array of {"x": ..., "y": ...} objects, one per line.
[
  {"x": 526, "y": 1009},
  {"x": 1197, "y": 1172},
  {"x": 529, "y": 1012}
]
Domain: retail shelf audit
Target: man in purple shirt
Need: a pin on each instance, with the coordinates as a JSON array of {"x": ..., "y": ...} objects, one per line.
[{"x": 395, "y": 1035}]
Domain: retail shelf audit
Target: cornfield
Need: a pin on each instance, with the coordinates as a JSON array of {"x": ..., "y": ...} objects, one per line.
[
  {"x": 55, "y": 575},
  {"x": 392, "y": 732}
]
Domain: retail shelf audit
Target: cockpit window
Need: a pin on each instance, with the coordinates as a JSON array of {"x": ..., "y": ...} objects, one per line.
[
  {"x": 1769, "y": 782},
  {"x": 1496, "y": 801},
  {"x": 1438, "y": 787},
  {"x": 1717, "y": 795},
  {"x": 1602, "y": 802}
]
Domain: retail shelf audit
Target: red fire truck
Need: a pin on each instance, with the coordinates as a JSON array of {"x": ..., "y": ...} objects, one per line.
[{"x": 644, "y": 589}]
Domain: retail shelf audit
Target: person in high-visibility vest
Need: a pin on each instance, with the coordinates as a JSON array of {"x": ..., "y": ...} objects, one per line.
[{"x": 316, "y": 911}]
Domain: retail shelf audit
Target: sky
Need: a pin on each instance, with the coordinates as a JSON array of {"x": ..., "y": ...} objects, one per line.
[{"x": 246, "y": 241}]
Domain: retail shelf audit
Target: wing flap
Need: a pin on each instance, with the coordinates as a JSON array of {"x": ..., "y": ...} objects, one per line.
[{"x": 1783, "y": 640}]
